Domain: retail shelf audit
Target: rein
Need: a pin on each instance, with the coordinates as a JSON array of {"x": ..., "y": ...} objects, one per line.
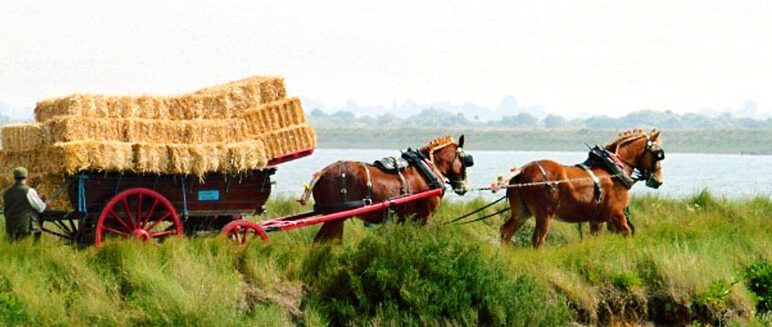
[{"x": 480, "y": 209}]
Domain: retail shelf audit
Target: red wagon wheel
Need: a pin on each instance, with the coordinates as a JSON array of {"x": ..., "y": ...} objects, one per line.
[
  {"x": 243, "y": 231},
  {"x": 138, "y": 213}
]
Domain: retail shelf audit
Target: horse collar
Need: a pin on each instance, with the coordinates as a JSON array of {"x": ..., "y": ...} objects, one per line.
[{"x": 425, "y": 168}]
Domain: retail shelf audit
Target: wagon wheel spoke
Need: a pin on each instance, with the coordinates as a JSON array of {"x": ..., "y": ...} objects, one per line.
[
  {"x": 139, "y": 211},
  {"x": 245, "y": 238},
  {"x": 132, "y": 221},
  {"x": 159, "y": 220},
  {"x": 162, "y": 234},
  {"x": 150, "y": 213},
  {"x": 62, "y": 227},
  {"x": 120, "y": 220},
  {"x": 235, "y": 233},
  {"x": 128, "y": 212},
  {"x": 114, "y": 231},
  {"x": 72, "y": 225}
]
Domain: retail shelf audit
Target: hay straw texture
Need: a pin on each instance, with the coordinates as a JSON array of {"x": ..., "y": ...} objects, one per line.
[
  {"x": 197, "y": 159},
  {"x": 217, "y": 102},
  {"x": 274, "y": 116},
  {"x": 26, "y": 137},
  {"x": 289, "y": 140},
  {"x": 233, "y": 127},
  {"x": 71, "y": 157}
]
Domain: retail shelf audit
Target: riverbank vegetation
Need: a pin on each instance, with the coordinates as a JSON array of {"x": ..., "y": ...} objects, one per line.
[
  {"x": 735, "y": 141},
  {"x": 695, "y": 261}
]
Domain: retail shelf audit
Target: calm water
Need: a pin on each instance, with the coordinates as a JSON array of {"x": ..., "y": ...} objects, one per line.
[{"x": 685, "y": 173}]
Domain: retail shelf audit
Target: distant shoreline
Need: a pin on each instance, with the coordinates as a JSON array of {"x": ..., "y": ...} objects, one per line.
[{"x": 729, "y": 141}]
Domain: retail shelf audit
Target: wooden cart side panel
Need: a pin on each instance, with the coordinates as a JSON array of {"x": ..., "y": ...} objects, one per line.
[{"x": 218, "y": 194}]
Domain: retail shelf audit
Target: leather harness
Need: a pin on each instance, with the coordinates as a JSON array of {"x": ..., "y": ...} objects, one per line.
[
  {"x": 413, "y": 157},
  {"x": 598, "y": 192}
]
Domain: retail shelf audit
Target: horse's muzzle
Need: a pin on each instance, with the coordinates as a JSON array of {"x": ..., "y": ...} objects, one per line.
[
  {"x": 460, "y": 188},
  {"x": 653, "y": 183}
]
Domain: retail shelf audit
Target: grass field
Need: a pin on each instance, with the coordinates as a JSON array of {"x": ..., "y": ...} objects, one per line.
[
  {"x": 692, "y": 262},
  {"x": 696, "y": 141}
]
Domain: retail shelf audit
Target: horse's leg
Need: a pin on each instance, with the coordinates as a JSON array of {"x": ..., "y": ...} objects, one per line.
[
  {"x": 329, "y": 231},
  {"x": 595, "y": 227},
  {"x": 541, "y": 230},
  {"x": 517, "y": 217},
  {"x": 619, "y": 220},
  {"x": 511, "y": 226}
]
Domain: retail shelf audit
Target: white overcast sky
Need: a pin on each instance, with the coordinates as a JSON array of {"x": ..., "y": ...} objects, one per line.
[{"x": 607, "y": 57}]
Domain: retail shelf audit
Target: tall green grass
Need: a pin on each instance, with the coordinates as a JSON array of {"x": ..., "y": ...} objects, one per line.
[{"x": 696, "y": 260}]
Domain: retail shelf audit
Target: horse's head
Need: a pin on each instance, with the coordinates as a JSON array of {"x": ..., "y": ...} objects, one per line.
[
  {"x": 644, "y": 153},
  {"x": 451, "y": 160}
]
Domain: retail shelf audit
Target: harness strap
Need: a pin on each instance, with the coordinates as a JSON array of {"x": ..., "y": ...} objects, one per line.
[
  {"x": 416, "y": 158},
  {"x": 343, "y": 191},
  {"x": 553, "y": 186},
  {"x": 598, "y": 192},
  {"x": 369, "y": 189}
]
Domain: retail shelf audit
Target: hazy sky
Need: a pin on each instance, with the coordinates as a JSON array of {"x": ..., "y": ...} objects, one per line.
[{"x": 606, "y": 57}]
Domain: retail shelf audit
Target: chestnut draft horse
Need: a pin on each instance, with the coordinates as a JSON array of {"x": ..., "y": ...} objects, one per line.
[
  {"x": 574, "y": 195},
  {"x": 349, "y": 184}
]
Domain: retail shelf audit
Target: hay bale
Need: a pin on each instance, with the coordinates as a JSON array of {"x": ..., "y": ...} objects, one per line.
[
  {"x": 151, "y": 158},
  {"x": 23, "y": 137},
  {"x": 26, "y": 137},
  {"x": 71, "y": 129},
  {"x": 222, "y": 101},
  {"x": 274, "y": 116},
  {"x": 71, "y": 157},
  {"x": 246, "y": 156},
  {"x": 288, "y": 140}
]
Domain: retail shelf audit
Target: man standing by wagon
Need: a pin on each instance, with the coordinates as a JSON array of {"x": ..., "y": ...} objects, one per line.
[{"x": 22, "y": 206}]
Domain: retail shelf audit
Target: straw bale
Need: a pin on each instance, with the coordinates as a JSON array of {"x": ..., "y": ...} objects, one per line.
[
  {"x": 94, "y": 156},
  {"x": 289, "y": 140},
  {"x": 222, "y": 101},
  {"x": 25, "y": 137},
  {"x": 151, "y": 158},
  {"x": 184, "y": 131},
  {"x": 70, "y": 129},
  {"x": 22, "y": 137},
  {"x": 195, "y": 159},
  {"x": 274, "y": 116},
  {"x": 71, "y": 157},
  {"x": 246, "y": 156}
]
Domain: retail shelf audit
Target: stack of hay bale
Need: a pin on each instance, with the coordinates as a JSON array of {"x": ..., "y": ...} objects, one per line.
[{"x": 230, "y": 128}]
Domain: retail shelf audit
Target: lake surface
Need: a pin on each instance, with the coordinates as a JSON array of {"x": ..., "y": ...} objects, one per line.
[{"x": 730, "y": 175}]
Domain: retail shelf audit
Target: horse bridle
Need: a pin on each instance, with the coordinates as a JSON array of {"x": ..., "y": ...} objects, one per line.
[
  {"x": 643, "y": 174},
  {"x": 466, "y": 160}
]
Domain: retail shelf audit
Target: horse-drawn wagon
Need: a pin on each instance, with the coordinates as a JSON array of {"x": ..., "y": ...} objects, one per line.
[
  {"x": 152, "y": 207},
  {"x": 153, "y": 167}
]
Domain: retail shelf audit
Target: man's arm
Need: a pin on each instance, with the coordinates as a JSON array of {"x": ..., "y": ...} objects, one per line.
[{"x": 35, "y": 201}]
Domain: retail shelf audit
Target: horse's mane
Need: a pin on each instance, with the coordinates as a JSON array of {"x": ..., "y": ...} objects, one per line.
[
  {"x": 438, "y": 143},
  {"x": 624, "y": 138}
]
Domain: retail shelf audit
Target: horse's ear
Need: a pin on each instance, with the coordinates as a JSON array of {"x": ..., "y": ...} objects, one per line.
[
  {"x": 461, "y": 141},
  {"x": 654, "y": 134}
]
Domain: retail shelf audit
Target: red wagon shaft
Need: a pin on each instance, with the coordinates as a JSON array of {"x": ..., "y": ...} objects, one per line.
[
  {"x": 244, "y": 231},
  {"x": 293, "y": 222}
]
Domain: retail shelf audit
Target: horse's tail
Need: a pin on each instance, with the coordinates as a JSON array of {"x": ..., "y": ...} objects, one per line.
[{"x": 309, "y": 188}]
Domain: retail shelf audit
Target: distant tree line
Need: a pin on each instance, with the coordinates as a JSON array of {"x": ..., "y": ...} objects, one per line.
[{"x": 440, "y": 118}]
